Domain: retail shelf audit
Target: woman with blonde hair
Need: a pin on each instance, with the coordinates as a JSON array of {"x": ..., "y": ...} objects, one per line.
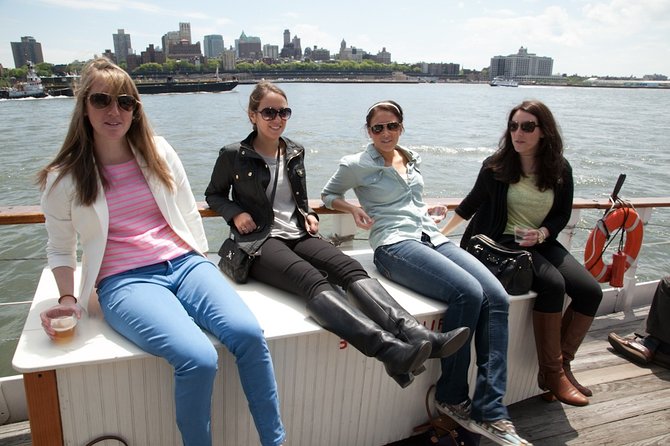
[{"x": 122, "y": 192}]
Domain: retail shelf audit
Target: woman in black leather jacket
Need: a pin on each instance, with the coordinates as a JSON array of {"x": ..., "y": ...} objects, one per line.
[{"x": 258, "y": 186}]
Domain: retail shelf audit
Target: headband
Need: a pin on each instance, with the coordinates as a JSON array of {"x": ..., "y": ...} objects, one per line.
[{"x": 384, "y": 103}]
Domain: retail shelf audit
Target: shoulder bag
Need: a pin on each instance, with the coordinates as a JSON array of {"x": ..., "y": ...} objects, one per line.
[
  {"x": 234, "y": 261},
  {"x": 512, "y": 267}
]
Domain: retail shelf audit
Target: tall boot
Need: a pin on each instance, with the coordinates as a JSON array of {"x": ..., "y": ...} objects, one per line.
[
  {"x": 574, "y": 327},
  {"x": 400, "y": 359},
  {"x": 372, "y": 298},
  {"x": 547, "y": 327}
]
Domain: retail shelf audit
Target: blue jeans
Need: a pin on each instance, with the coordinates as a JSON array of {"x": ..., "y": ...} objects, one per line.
[
  {"x": 161, "y": 308},
  {"x": 476, "y": 300}
]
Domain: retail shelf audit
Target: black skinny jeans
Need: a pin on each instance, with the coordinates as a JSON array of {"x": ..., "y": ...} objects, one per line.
[
  {"x": 557, "y": 273},
  {"x": 307, "y": 266}
]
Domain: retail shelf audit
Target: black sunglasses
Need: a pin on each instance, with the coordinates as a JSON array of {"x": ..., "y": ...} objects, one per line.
[
  {"x": 270, "y": 113},
  {"x": 378, "y": 128},
  {"x": 526, "y": 127},
  {"x": 104, "y": 100}
]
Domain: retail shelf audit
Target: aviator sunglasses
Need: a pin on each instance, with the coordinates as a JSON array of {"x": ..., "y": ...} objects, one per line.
[
  {"x": 378, "y": 128},
  {"x": 526, "y": 127},
  {"x": 103, "y": 100},
  {"x": 270, "y": 113}
]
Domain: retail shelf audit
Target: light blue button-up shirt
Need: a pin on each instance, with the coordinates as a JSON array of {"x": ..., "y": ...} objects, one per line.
[{"x": 395, "y": 203}]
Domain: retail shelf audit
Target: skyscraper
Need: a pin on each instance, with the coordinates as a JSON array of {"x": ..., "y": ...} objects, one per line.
[
  {"x": 122, "y": 46},
  {"x": 185, "y": 32},
  {"x": 28, "y": 49},
  {"x": 213, "y": 45}
]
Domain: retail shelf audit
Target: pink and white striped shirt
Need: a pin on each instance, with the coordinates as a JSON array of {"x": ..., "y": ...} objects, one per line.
[{"x": 138, "y": 233}]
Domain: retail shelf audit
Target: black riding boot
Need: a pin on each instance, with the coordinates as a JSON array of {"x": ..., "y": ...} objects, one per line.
[
  {"x": 400, "y": 359},
  {"x": 372, "y": 298}
]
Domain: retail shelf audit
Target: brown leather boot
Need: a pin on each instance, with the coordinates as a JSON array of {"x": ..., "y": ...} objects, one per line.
[
  {"x": 573, "y": 330},
  {"x": 547, "y": 327}
]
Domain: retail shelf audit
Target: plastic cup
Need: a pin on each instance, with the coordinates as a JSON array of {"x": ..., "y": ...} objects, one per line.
[
  {"x": 519, "y": 233},
  {"x": 64, "y": 327},
  {"x": 437, "y": 213}
]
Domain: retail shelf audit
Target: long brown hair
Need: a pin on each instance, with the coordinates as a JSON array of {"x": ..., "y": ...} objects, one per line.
[
  {"x": 77, "y": 157},
  {"x": 506, "y": 162}
]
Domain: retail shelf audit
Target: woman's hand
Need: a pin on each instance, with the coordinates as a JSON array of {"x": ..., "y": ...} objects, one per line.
[
  {"x": 312, "y": 224},
  {"x": 361, "y": 219},
  {"x": 244, "y": 223},
  {"x": 534, "y": 237},
  {"x": 57, "y": 311}
]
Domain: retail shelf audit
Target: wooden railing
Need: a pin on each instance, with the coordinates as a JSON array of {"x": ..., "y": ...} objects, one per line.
[{"x": 13, "y": 215}]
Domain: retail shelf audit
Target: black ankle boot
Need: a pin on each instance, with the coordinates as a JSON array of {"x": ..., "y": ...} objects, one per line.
[
  {"x": 372, "y": 298},
  {"x": 400, "y": 359}
]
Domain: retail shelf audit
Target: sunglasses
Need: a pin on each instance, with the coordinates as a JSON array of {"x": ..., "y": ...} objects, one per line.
[
  {"x": 526, "y": 127},
  {"x": 391, "y": 126},
  {"x": 104, "y": 100},
  {"x": 270, "y": 113}
]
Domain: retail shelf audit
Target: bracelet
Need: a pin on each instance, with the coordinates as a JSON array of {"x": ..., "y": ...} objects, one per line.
[
  {"x": 67, "y": 295},
  {"x": 540, "y": 236}
]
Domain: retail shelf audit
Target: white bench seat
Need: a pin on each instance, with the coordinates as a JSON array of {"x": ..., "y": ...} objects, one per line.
[{"x": 330, "y": 393}]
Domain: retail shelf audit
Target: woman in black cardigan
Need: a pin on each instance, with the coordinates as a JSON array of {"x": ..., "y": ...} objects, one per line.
[{"x": 528, "y": 183}]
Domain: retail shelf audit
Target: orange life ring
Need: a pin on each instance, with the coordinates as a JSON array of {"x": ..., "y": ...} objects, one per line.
[{"x": 625, "y": 218}]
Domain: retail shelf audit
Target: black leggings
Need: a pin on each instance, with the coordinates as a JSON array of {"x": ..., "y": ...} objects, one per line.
[
  {"x": 557, "y": 273},
  {"x": 307, "y": 266}
]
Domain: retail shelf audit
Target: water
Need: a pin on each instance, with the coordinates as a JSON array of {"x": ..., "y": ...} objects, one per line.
[{"x": 453, "y": 126}]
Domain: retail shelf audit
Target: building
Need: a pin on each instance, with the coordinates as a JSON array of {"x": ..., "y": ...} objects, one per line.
[
  {"x": 171, "y": 38},
  {"x": 271, "y": 51},
  {"x": 213, "y": 45},
  {"x": 521, "y": 66},
  {"x": 185, "y": 32},
  {"x": 320, "y": 54},
  {"x": 228, "y": 60},
  {"x": 122, "y": 46},
  {"x": 292, "y": 49},
  {"x": 186, "y": 51},
  {"x": 383, "y": 56},
  {"x": 28, "y": 49},
  {"x": 440, "y": 69},
  {"x": 153, "y": 55},
  {"x": 350, "y": 53},
  {"x": 248, "y": 47}
]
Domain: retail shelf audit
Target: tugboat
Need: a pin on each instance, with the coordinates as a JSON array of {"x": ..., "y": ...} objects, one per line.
[{"x": 31, "y": 88}]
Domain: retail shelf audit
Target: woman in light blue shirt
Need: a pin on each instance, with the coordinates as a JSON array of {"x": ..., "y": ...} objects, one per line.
[{"x": 410, "y": 250}]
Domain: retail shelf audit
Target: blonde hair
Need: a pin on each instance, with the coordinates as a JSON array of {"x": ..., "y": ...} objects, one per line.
[{"x": 77, "y": 157}]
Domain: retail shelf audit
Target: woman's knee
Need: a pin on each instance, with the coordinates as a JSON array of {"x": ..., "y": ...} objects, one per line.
[{"x": 246, "y": 338}]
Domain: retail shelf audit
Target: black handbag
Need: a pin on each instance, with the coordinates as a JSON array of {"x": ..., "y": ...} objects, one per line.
[
  {"x": 235, "y": 262},
  {"x": 512, "y": 267}
]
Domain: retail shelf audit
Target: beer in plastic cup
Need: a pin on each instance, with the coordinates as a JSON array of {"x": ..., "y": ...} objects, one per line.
[{"x": 64, "y": 327}]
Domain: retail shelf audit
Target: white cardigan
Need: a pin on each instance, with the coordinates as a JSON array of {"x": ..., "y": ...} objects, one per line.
[{"x": 67, "y": 220}]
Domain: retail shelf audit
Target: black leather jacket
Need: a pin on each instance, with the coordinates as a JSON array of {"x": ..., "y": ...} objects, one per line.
[{"x": 240, "y": 168}]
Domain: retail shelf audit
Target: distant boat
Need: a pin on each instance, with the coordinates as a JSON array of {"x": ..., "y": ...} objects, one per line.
[
  {"x": 500, "y": 81},
  {"x": 190, "y": 86},
  {"x": 31, "y": 88}
]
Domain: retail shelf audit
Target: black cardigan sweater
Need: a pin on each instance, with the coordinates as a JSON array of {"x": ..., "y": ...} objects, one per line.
[{"x": 487, "y": 201}]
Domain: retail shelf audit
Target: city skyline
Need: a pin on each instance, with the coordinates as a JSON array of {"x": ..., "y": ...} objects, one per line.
[{"x": 600, "y": 37}]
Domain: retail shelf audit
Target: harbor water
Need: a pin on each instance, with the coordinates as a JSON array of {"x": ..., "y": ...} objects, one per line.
[{"x": 607, "y": 131}]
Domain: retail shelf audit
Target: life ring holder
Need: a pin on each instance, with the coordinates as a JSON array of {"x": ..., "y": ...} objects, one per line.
[{"x": 613, "y": 222}]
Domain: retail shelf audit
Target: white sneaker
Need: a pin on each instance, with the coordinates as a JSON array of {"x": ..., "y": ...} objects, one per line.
[
  {"x": 501, "y": 431},
  {"x": 460, "y": 412}
]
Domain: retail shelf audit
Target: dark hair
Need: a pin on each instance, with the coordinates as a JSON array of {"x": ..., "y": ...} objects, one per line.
[
  {"x": 506, "y": 163},
  {"x": 262, "y": 89},
  {"x": 389, "y": 106}
]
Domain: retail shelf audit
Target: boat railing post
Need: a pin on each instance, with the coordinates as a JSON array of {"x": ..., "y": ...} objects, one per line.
[{"x": 626, "y": 297}]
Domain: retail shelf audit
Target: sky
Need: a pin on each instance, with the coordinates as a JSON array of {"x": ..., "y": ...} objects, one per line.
[{"x": 584, "y": 37}]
